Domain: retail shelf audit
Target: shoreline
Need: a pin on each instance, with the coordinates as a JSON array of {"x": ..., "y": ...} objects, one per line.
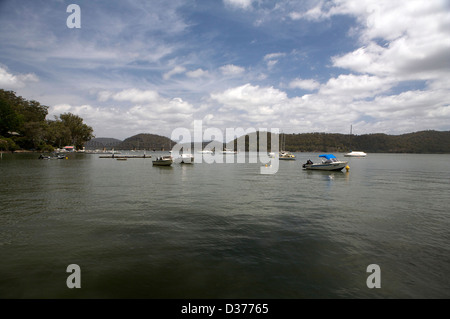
[{"x": 18, "y": 151}]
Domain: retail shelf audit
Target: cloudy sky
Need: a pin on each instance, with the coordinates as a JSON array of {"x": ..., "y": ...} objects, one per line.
[{"x": 150, "y": 66}]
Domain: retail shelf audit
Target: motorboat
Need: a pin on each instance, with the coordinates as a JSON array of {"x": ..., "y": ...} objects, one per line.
[
  {"x": 163, "y": 161},
  {"x": 285, "y": 155},
  {"x": 329, "y": 163},
  {"x": 355, "y": 154},
  {"x": 56, "y": 156}
]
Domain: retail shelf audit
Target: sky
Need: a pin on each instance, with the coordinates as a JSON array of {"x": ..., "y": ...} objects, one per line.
[{"x": 151, "y": 66}]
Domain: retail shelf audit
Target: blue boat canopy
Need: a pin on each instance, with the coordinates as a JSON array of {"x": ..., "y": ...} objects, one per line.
[{"x": 327, "y": 156}]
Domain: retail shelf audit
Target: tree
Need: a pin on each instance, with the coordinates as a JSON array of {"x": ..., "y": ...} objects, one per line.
[
  {"x": 25, "y": 117},
  {"x": 9, "y": 120},
  {"x": 80, "y": 133},
  {"x": 57, "y": 134}
]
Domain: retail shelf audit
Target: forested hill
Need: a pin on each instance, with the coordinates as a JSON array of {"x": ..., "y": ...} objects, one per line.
[
  {"x": 146, "y": 142},
  {"x": 102, "y": 143},
  {"x": 418, "y": 142}
]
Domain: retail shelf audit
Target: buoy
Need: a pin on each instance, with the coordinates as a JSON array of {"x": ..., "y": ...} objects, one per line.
[{"x": 347, "y": 168}]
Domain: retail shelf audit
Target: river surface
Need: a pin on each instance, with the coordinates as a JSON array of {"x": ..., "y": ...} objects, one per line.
[{"x": 224, "y": 230}]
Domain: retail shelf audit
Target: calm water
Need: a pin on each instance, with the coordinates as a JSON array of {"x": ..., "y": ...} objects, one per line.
[{"x": 224, "y": 230}]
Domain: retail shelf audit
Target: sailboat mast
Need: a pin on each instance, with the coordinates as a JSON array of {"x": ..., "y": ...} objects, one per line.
[{"x": 350, "y": 137}]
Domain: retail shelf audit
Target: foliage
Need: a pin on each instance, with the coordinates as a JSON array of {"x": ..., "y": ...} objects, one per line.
[
  {"x": 7, "y": 144},
  {"x": 79, "y": 132},
  {"x": 418, "y": 142},
  {"x": 26, "y": 125}
]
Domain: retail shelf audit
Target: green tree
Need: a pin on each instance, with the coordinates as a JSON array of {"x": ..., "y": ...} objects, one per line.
[
  {"x": 57, "y": 134},
  {"x": 80, "y": 133},
  {"x": 25, "y": 117},
  {"x": 9, "y": 119}
]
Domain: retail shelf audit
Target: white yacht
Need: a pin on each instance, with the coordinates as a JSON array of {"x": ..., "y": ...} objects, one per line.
[{"x": 355, "y": 154}]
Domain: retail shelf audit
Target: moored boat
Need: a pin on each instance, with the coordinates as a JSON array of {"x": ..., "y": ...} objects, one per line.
[
  {"x": 355, "y": 154},
  {"x": 285, "y": 155},
  {"x": 163, "y": 161},
  {"x": 329, "y": 163},
  {"x": 228, "y": 151}
]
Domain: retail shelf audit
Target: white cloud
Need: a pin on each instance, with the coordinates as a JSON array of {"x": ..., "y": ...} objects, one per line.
[
  {"x": 197, "y": 73},
  {"x": 155, "y": 114},
  {"x": 137, "y": 96},
  {"x": 315, "y": 13},
  {"x": 406, "y": 40},
  {"x": 241, "y": 4},
  {"x": 11, "y": 81},
  {"x": 249, "y": 105},
  {"x": 248, "y": 96},
  {"x": 305, "y": 84},
  {"x": 271, "y": 63},
  {"x": 231, "y": 69},
  {"x": 274, "y": 56},
  {"x": 364, "y": 100},
  {"x": 272, "y": 59},
  {"x": 355, "y": 87},
  {"x": 104, "y": 96},
  {"x": 175, "y": 70}
]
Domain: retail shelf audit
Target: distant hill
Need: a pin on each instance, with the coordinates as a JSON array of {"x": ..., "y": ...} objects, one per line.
[
  {"x": 145, "y": 141},
  {"x": 418, "y": 142},
  {"x": 102, "y": 143}
]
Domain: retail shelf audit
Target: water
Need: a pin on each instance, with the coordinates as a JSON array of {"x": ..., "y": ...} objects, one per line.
[{"x": 224, "y": 230}]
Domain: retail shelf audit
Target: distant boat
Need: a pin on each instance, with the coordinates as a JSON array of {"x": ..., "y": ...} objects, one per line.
[
  {"x": 163, "y": 161},
  {"x": 285, "y": 155},
  {"x": 329, "y": 163},
  {"x": 228, "y": 151},
  {"x": 56, "y": 156},
  {"x": 355, "y": 154}
]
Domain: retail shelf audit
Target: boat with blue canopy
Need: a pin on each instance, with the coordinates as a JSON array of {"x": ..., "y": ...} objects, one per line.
[{"x": 329, "y": 163}]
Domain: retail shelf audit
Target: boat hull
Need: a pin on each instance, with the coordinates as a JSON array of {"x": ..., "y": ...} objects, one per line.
[
  {"x": 336, "y": 166},
  {"x": 286, "y": 156},
  {"x": 162, "y": 163}
]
